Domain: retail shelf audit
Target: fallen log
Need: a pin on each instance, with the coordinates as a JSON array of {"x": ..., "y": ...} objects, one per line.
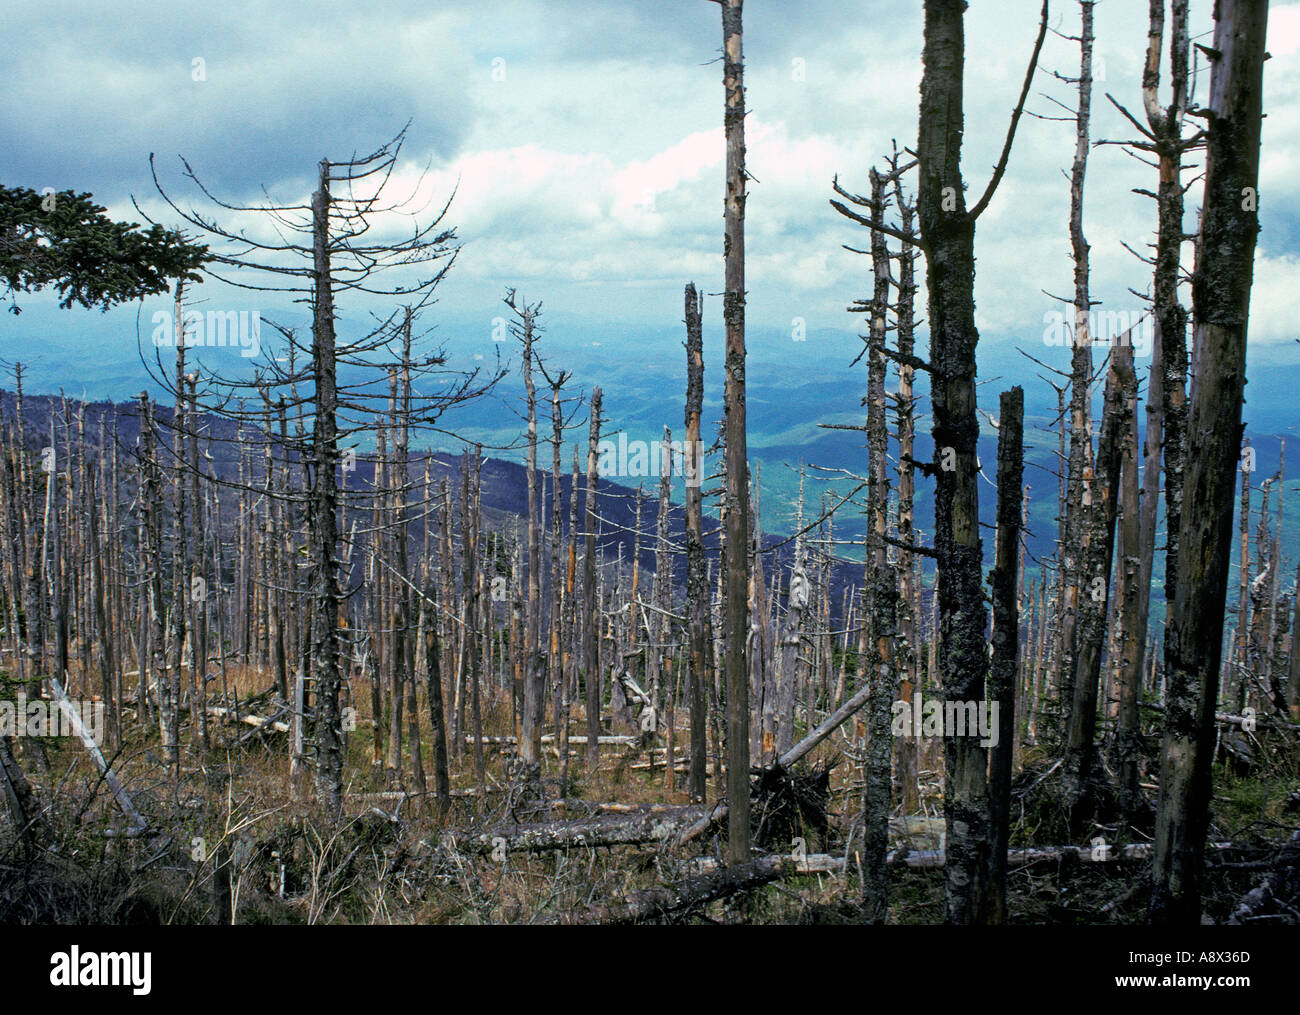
[
  {"x": 920, "y": 859},
  {"x": 260, "y": 727},
  {"x": 1279, "y": 883},
  {"x": 601, "y": 830},
  {"x": 549, "y": 738},
  {"x": 687, "y": 895},
  {"x": 252, "y": 720}
]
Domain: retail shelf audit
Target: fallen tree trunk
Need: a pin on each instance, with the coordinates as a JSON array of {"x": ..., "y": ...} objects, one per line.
[
  {"x": 608, "y": 830},
  {"x": 261, "y": 722},
  {"x": 687, "y": 895},
  {"x": 549, "y": 738},
  {"x": 1277, "y": 886},
  {"x": 920, "y": 859}
]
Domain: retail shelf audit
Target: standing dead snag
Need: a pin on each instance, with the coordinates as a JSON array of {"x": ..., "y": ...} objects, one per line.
[
  {"x": 948, "y": 240},
  {"x": 883, "y": 599},
  {"x": 737, "y": 517},
  {"x": 591, "y": 633},
  {"x": 1166, "y": 409},
  {"x": 534, "y": 675},
  {"x": 1098, "y": 547},
  {"x": 1126, "y": 665},
  {"x": 1221, "y": 303},
  {"x": 151, "y": 638},
  {"x": 1006, "y": 634},
  {"x": 908, "y": 590},
  {"x": 326, "y": 673},
  {"x": 792, "y": 634},
  {"x": 1079, "y": 506},
  {"x": 696, "y": 579}
]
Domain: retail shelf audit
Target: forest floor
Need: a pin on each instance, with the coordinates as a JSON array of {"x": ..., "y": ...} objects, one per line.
[{"x": 237, "y": 839}]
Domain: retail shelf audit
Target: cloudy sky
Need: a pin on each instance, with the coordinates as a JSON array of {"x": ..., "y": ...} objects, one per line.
[{"x": 586, "y": 141}]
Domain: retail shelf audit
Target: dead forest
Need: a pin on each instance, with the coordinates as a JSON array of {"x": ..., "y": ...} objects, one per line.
[{"x": 352, "y": 667}]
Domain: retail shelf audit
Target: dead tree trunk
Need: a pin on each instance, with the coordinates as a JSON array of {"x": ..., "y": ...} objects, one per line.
[
  {"x": 908, "y": 589},
  {"x": 696, "y": 579},
  {"x": 1131, "y": 620},
  {"x": 324, "y": 513},
  {"x": 530, "y": 743},
  {"x": 1221, "y": 302},
  {"x": 1006, "y": 635},
  {"x": 1079, "y": 506},
  {"x": 948, "y": 239},
  {"x": 591, "y": 635},
  {"x": 1098, "y": 551},
  {"x": 881, "y": 673},
  {"x": 737, "y": 519}
]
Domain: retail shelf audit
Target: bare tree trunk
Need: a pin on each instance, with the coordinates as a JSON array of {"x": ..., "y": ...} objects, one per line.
[
  {"x": 530, "y": 737},
  {"x": 696, "y": 579},
  {"x": 1131, "y": 636},
  {"x": 592, "y": 604},
  {"x": 948, "y": 234},
  {"x": 1098, "y": 551},
  {"x": 324, "y": 514},
  {"x": 792, "y": 634},
  {"x": 1079, "y": 506},
  {"x": 469, "y": 570},
  {"x": 151, "y": 532},
  {"x": 882, "y": 620},
  {"x": 737, "y": 519},
  {"x": 948, "y": 238},
  {"x": 1294, "y": 656},
  {"x": 908, "y": 590},
  {"x": 554, "y": 657},
  {"x": 1006, "y": 635},
  {"x": 182, "y": 595},
  {"x": 1221, "y": 298}
]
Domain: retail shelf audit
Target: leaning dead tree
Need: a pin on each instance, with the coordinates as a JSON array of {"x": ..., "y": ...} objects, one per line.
[{"x": 1221, "y": 307}]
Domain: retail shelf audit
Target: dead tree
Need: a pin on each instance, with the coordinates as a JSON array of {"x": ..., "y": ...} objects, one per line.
[
  {"x": 592, "y": 626},
  {"x": 737, "y": 516},
  {"x": 1166, "y": 413},
  {"x": 696, "y": 579},
  {"x": 1221, "y": 305},
  {"x": 1006, "y": 634},
  {"x": 882, "y": 620},
  {"x": 1126, "y": 665},
  {"x": 1078, "y": 499},
  {"x": 333, "y": 233},
  {"x": 153, "y": 665},
  {"x": 534, "y": 675},
  {"x": 1098, "y": 547},
  {"x": 948, "y": 240},
  {"x": 909, "y": 602}
]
